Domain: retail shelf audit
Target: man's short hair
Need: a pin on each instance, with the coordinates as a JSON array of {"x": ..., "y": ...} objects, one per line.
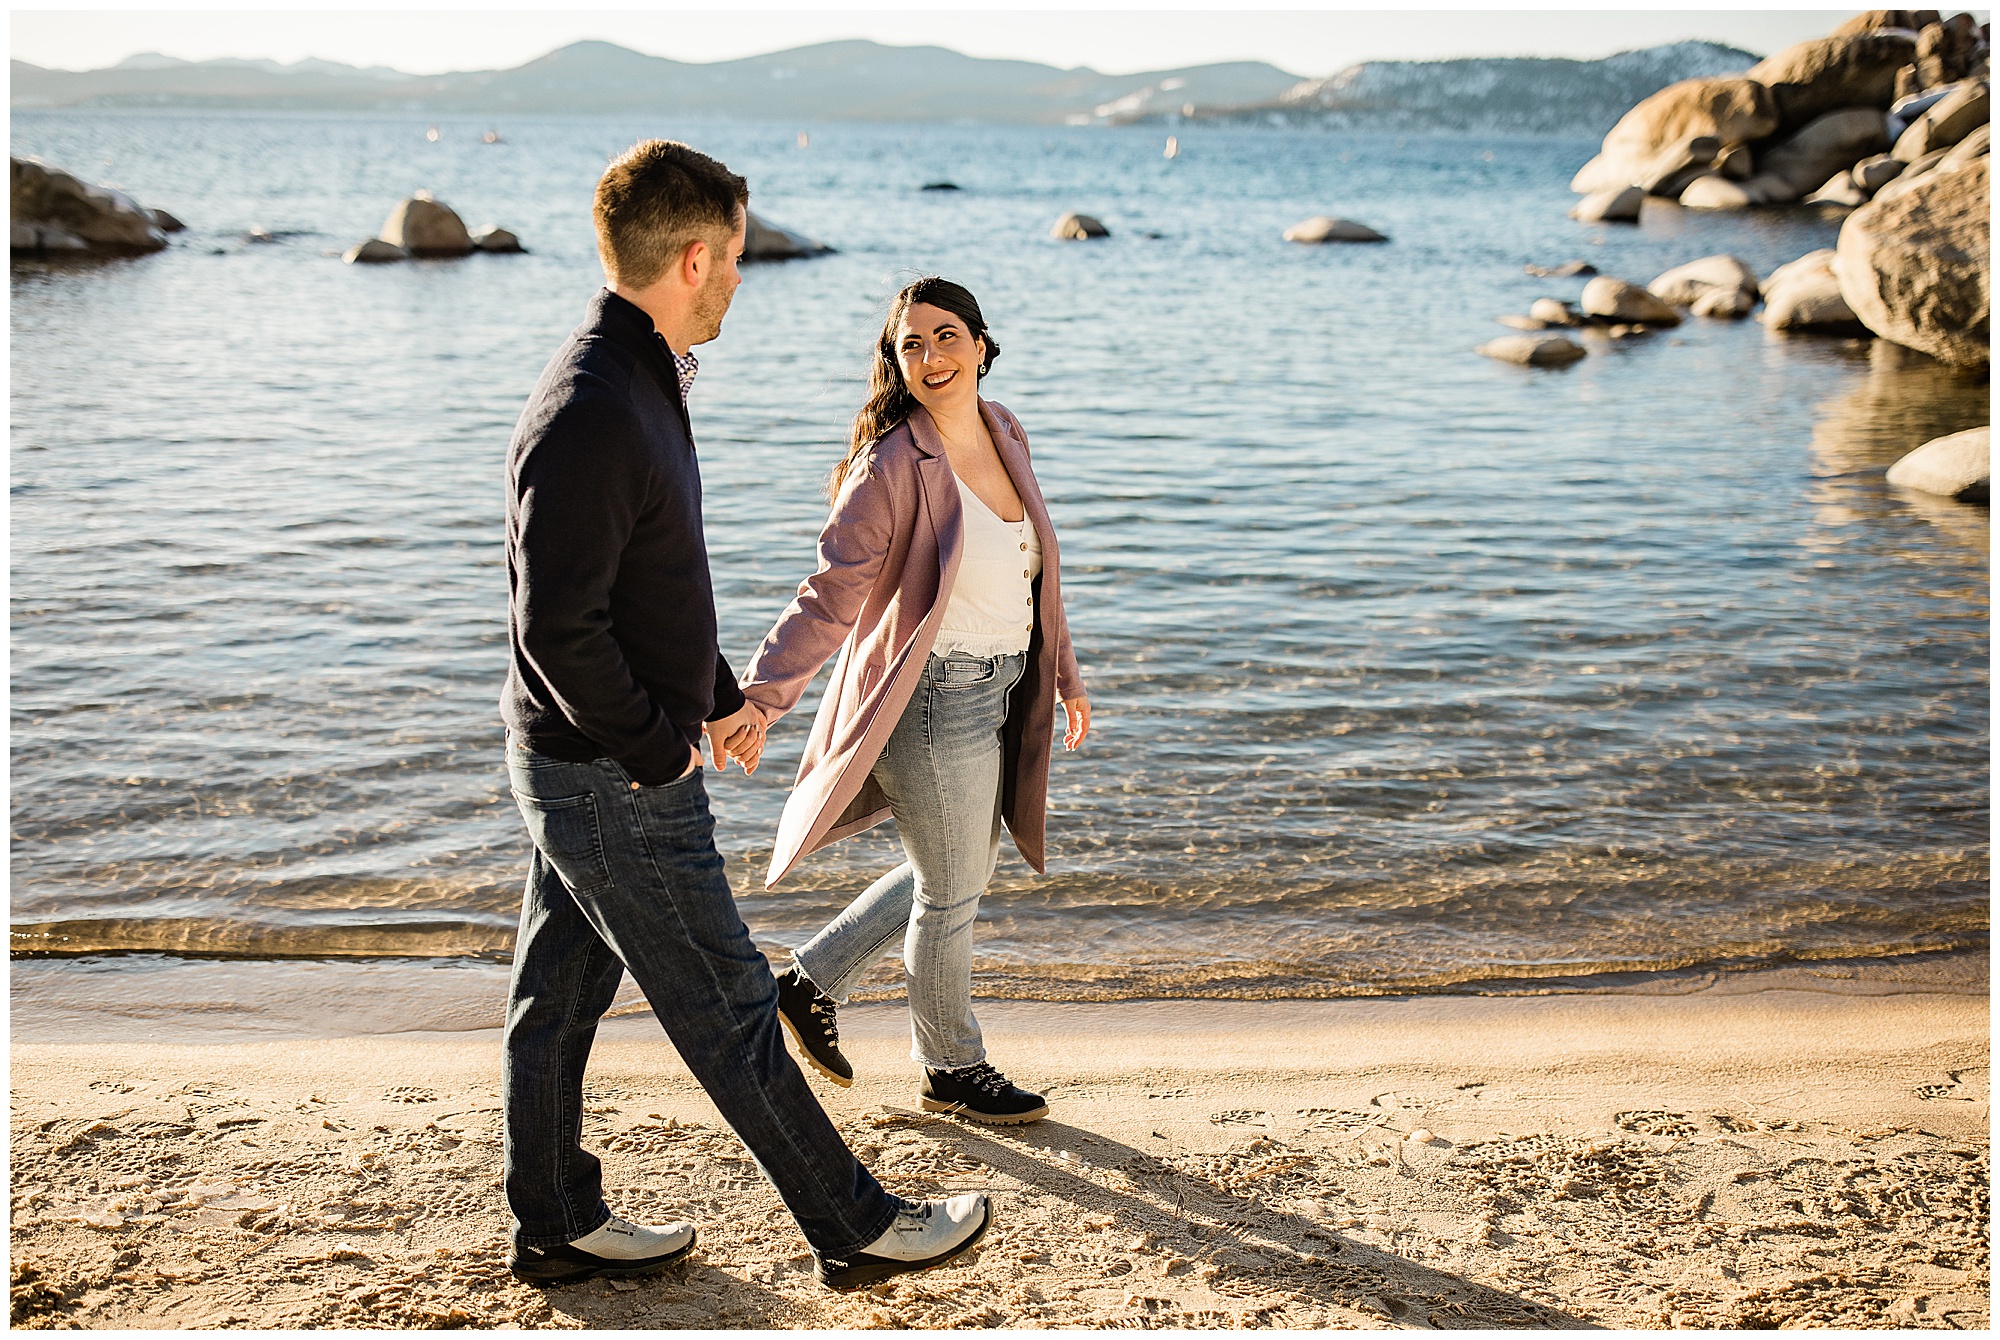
[{"x": 656, "y": 199}]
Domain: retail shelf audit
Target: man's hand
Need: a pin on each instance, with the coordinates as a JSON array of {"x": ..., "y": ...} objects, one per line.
[{"x": 740, "y": 736}]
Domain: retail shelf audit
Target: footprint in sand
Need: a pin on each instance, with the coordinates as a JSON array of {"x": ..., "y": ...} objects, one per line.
[
  {"x": 1952, "y": 1089},
  {"x": 1336, "y": 1118},
  {"x": 1172, "y": 1093},
  {"x": 1655, "y": 1123},
  {"x": 1240, "y": 1117},
  {"x": 410, "y": 1094}
]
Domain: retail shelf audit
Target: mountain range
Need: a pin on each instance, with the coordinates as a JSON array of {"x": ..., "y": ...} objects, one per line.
[{"x": 867, "y": 81}]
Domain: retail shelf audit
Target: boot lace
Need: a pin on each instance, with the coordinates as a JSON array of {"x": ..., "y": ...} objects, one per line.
[
  {"x": 822, "y": 1011},
  {"x": 984, "y": 1078}
]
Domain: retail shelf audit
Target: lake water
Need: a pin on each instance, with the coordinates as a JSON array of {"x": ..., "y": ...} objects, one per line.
[{"x": 1412, "y": 671}]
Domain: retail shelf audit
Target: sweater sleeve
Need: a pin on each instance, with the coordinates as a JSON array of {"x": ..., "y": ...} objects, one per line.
[
  {"x": 580, "y": 492},
  {"x": 852, "y": 549},
  {"x": 728, "y": 698}
]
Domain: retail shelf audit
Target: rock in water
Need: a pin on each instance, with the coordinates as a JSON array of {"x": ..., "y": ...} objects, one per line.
[
  {"x": 1078, "y": 228},
  {"x": 1551, "y": 312},
  {"x": 1320, "y": 228},
  {"x": 166, "y": 222},
  {"x": 1533, "y": 351},
  {"x": 1677, "y": 165},
  {"x": 42, "y": 237},
  {"x": 1731, "y": 111},
  {"x": 1804, "y": 295},
  {"x": 1713, "y": 286},
  {"x": 1717, "y": 193},
  {"x": 53, "y": 204},
  {"x": 1958, "y": 466},
  {"x": 1872, "y": 174},
  {"x": 1830, "y": 143},
  {"x": 374, "y": 252},
  {"x": 1564, "y": 271},
  {"x": 1915, "y": 268},
  {"x": 1724, "y": 304},
  {"x": 496, "y": 239},
  {"x": 1839, "y": 190},
  {"x": 939, "y": 186},
  {"x": 1946, "y": 122},
  {"x": 1828, "y": 73},
  {"x": 423, "y": 227},
  {"x": 1608, "y": 299},
  {"x": 764, "y": 241},
  {"x": 1620, "y": 204}
]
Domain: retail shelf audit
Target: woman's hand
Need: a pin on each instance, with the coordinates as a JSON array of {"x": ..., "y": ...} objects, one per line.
[
  {"x": 1078, "y": 710},
  {"x": 740, "y": 736}
]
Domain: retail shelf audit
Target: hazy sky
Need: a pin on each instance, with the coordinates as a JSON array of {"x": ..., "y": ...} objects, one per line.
[{"x": 1311, "y": 40}]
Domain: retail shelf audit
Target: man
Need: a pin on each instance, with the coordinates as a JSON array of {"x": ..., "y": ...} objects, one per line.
[{"x": 615, "y": 675}]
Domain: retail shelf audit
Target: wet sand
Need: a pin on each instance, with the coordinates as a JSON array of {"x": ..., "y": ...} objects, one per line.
[{"x": 1733, "y": 1157}]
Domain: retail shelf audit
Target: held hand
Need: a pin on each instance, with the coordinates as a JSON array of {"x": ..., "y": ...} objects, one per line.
[
  {"x": 740, "y": 735},
  {"x": 1078, "y": 711}
]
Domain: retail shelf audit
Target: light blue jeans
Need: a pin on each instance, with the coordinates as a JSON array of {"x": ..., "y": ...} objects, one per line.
[{"x": 941, "y": 771}]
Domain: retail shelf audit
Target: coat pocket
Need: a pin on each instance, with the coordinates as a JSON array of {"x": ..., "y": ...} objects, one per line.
[{"x": 566, "y": 832}]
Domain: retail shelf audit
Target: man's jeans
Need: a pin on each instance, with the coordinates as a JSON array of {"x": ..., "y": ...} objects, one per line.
[
  {"x": 627, "y": 878},
  {"x": 941, "y": 771}
]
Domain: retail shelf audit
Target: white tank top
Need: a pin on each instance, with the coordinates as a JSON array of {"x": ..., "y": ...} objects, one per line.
[{"x": 992, "y": 607}]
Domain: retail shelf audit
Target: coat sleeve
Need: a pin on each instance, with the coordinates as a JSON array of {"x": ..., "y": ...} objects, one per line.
[{"x": 852, "y": 550}]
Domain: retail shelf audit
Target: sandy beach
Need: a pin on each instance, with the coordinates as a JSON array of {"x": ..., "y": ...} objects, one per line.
[{"x": 1732, "y": 1157}]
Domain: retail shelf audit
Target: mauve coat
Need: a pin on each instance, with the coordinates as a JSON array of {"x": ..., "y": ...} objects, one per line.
[{"x": 887, "y": 560}]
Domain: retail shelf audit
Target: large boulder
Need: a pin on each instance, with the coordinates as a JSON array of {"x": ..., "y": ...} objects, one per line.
[
  {"x": 1948, "y": 51},
  {"x": 423, "y": 227},
  {"x": 765, "y": 241},
  {"x": 1914, "y": 267},
  {"x": 1320, "y": 228},
  {"x": 1956, "y": 466},
  {"x": 1730, "y": 111},
  {"x": 1805, "y": 295},
  {"x": 1947, "y": 121},
  {"x": 1619, "y": 204},
  {"x": 50, "y": 205},
  {"x": 1909, "y": 20},
  {"x": 1608, "y": 299},
  {"x": 1078, "y": 228},
  {"x": 1827, "y": 73},
  {"x": 1830, "y": 143},
  {"x": 1533, "y": 351},
  {"x": 1688, "y": 285}
]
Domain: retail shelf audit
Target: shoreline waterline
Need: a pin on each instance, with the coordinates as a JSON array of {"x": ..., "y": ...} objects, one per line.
[{"x": 174, "y": 1001}]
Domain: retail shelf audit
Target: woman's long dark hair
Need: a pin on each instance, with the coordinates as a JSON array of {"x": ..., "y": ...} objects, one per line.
[{"x": 889, "y": 400}]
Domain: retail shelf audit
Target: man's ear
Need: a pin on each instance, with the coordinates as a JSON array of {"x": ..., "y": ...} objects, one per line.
[{"x": 695, "y": 260}]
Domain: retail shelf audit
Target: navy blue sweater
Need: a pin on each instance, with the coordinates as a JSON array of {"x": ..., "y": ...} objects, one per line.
[{"x": 611, "y": 617}]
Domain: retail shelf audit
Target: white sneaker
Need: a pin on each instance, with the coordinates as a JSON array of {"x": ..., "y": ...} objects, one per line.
[
  {"x": 614, "y": 1248},
  {"x": 927, "y": 1234},
  {"x": 617, "y": 1240}
]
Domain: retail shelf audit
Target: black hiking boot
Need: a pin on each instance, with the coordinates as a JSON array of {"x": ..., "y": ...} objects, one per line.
[
  {"x": 807, "y": 1014},
  {"x": 981, "y": 1093}
]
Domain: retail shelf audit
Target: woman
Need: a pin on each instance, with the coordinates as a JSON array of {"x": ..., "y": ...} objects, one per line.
[{"x": 938, "y": 585}]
